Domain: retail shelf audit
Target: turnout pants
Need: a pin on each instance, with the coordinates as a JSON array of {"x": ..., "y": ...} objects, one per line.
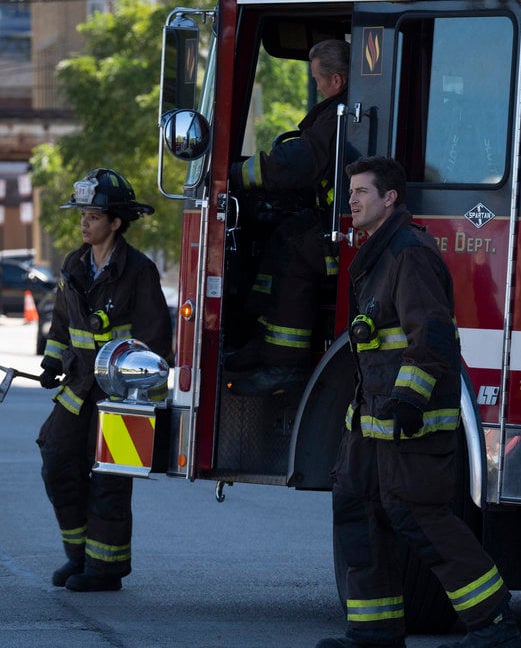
[
  {"x": 296, "y": 261},
  {"x": 93, "y": 510},
  {"x": 382, "y": 489}
]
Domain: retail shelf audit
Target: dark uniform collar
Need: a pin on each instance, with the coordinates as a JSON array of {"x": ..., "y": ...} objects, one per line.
[
  {"x": 369, "y": 253},
  {"x": 319, "y": 108}
]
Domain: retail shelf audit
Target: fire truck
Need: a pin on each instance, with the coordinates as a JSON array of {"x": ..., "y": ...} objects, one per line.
[{"x": 435, "y": 85}]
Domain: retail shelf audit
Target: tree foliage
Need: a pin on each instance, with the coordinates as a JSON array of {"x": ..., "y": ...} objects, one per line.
[
  {"x": 112, "y": 84},
  {"x": 284, "y": 96},
  {"x": 113, "y": 87}
]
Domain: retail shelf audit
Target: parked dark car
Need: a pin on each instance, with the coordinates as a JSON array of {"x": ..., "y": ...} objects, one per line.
[
  {"x": 18, "y": 276},
  {"x": 46, "y": 305},
  {"x": 44, "y": 308}
]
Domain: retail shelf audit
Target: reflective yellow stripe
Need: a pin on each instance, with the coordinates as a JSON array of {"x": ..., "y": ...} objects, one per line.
[
  {"x": 122, "y": 331},
  {"x": 107, "y": 553},
  {"x": 54, "y": 349},
  {"x": 380, "y": 609},
  {"x": 387, "y": 340},
  {"x": 82, "y": 339},
  {"x": 392, "y": 338},
  {"x": 331, "y": 266},
  {"x": 102, "y": 338},
  {"x": 416, "y": 379},
  {"x": 442, "y": 419},
  {"x": 159, "y": 392},
  {"x": 288, "y": 337},
  {"x": 262, "y": 284},
  {"x": 477, "y": 591},
  {"x": 69, "y": 400},
  {"x": 74, "y": 536},
  {"x": 251, "y": 173}
]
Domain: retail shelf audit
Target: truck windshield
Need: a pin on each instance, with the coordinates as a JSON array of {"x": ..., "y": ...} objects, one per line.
[{"x": 205, "y": 107}]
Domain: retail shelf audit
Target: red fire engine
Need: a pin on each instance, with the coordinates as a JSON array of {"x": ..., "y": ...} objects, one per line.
[{"x": 435, "y": 85}]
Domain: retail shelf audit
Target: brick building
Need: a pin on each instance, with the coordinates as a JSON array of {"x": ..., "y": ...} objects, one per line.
[{"x": 34, "y": 37}]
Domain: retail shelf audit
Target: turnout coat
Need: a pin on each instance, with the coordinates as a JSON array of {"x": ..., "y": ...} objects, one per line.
[
  {"x": 414, "y": 355},
  {"x": 128, "y": 299}
]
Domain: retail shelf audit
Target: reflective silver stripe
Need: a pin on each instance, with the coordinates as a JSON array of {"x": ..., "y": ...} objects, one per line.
[
  {"x": 122, "y": 331},
  {"x": 54, "y": 349},
  {"x": 331, "y": 266},
  {"x": 74, "y": 536},
  {"x": 386, "y": 340},
  {"x": 392, "y": 338},
  {"x": 69, "y": 400},
  {"x": 82, "y": 339},
  {"x": 416, "y": 379},
  {"x": 288, "y": 337},
  {"x": 477, "y": 591},
  {"x": 442, "y": 419},
  {"x": 251, "y": 173},
  {"x": 380, "y": 609},
  {"x": 107, "y": 553}
]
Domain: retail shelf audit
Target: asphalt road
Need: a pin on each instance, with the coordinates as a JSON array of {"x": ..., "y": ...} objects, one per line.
[{"x": 254, "y": 571}]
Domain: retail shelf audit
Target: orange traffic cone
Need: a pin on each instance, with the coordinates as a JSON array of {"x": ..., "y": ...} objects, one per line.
[{"x": 30, "y": 312}]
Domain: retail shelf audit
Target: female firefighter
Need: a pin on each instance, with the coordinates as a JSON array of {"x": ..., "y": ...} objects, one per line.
[{"x": 107, "y": 290}]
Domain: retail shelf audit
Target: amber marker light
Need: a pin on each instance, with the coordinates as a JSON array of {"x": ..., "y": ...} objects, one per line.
[{"x": 187, "y": 310}]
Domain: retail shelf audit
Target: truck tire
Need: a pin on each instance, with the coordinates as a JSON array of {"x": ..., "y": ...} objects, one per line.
[{"x": 427, "y": 607}]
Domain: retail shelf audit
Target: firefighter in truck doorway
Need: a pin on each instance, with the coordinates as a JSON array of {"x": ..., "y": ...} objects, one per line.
[
  {"x": 395, "y": 474},
  {"x": 108, "y": 289},
  {"x": 299, "y": 173}
]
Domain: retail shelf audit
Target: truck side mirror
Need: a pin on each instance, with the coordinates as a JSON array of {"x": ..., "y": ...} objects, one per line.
[{"x": 186, "y": 134}]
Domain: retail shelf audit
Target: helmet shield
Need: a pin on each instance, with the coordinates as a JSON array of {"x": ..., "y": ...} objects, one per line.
[{"x": 107, "y": 190}]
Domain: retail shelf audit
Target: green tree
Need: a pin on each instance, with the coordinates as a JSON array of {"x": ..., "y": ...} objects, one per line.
[
  {"x": 284, "y": 96},
  {"x": 113, "y": 87}
]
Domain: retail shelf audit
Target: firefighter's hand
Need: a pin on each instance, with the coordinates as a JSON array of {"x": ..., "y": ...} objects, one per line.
[
  {"x": 48, "y": 379},
  {"x": 407, "y": 419}
]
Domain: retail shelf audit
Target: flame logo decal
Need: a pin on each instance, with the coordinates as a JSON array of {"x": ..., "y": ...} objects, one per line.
[{"x": 372, "y": 51}]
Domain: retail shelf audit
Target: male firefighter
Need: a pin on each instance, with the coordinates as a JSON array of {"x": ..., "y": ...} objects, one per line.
[
  {"x": 300, "y": 173},
  {"x": 107, "y": 290},
  {"x": 395, "y": 473}
]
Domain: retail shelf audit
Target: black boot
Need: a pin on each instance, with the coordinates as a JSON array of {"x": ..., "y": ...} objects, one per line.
[
  {"x": 502, "y": 633},
  {"x": 90, "y": 583},
  {"x": 60, "y": 576}
]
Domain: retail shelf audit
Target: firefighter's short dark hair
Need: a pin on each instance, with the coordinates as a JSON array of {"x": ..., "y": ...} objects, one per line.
[{"x": 388, "y": 174}]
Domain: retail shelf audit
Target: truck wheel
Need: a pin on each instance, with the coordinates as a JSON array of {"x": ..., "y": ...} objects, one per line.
[{"x": 427, "y": 607}]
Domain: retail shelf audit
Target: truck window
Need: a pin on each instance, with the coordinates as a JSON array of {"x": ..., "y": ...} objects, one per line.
[
  {"x": 278, "y": 101},
  {"x": 452, "y": 111}
]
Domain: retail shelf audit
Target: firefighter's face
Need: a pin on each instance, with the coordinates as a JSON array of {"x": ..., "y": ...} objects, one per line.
[
  {"x": 96, "y": 228},
  {"x": 327, "y": 85},
  {"x": 368, "y": 208}
]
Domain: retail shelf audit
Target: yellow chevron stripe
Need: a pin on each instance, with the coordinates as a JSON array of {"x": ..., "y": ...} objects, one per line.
[{"x": 118, "y": 440}]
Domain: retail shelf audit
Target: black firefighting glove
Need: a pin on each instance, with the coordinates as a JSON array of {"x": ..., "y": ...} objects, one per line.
[
  {"x": 407, "y": 419},
  {"x": 48, "y": 379}
]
